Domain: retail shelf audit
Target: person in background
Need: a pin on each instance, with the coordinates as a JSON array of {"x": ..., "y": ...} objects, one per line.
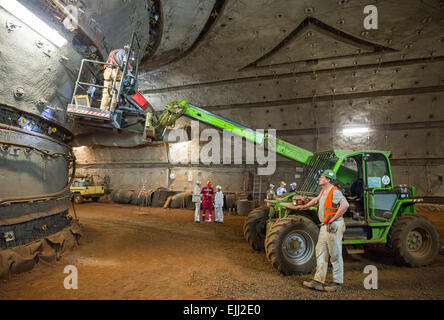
[
  {"x": 218, "y": 205},
  {"x": 207, "y": 201},
  {"x": 196, "y": 198},
  {"x": 271, "y": 193},
  {"x": 292, "y": 187},
  {"x": 281, "y": 190}
]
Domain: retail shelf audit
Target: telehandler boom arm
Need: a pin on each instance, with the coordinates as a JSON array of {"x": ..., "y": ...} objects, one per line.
[{"x": 155, "y": 129}]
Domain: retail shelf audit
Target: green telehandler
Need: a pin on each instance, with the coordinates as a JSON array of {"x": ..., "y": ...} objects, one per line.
[{"x": 379, "y": 213}]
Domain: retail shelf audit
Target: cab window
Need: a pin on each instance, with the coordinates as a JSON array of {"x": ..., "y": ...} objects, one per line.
[
  {"x": 378, "y": 175},
  {"x": 350, "y": 173}
]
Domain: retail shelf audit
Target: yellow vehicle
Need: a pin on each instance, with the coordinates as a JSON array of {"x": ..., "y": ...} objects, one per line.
[{"x": 83, "y": 188}]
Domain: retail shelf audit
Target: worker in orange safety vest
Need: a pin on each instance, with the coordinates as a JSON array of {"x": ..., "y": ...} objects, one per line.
[{"x": 331, "y": 207}]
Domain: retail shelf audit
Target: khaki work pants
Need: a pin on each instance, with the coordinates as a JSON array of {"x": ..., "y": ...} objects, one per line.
[
  {"x": 109, "y": 76},
  {"x": 330, "y": 245}
]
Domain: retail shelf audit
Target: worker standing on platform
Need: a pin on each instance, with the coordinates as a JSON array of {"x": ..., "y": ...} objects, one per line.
[
  {"x": 207, "y": 201},
  {"x": 116, "y": 57},
  {"x": 218, "y": 205},
  {"x": 196, "y": 198}
]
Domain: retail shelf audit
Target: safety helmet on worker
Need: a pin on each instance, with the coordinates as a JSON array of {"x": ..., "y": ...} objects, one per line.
[
  {"x": 198, "y": 183},
  {"x": 209, "y": 183},
  {"x": 283, "y": 183},
  {"x": 330, "y": 174},
  {"x": 218, "y": 187}
]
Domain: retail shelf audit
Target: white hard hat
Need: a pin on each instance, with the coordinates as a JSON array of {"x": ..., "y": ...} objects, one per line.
[
  {"x": 271, "y": 185},
  {"x": 198, "y": 182},
  {"x": 293, "y": 184},
  {"x": 218, "y": 187}
]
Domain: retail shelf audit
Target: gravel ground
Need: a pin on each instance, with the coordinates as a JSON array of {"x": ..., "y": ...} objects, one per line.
[{"x": 152, "y": 253}]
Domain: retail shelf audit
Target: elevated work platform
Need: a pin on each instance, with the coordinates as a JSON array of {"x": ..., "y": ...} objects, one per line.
[{"x": 83, "y": 111}]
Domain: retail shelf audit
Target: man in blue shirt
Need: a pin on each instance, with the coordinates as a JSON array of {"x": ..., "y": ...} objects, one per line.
[{"x": 281, "y": 190}]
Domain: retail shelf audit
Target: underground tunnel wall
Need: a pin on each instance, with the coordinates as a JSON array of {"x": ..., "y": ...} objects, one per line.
[
  {"x": 309, "y": 69},
  {"x": 130, "y": 168}
]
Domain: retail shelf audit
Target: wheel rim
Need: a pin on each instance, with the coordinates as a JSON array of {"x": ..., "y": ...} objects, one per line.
[
  {"x": 419, "y": 242},
  {"x": 298, "y": 247}
]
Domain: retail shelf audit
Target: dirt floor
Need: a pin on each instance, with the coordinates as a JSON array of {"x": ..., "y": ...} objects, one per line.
[{"x": 129, "y": 252}]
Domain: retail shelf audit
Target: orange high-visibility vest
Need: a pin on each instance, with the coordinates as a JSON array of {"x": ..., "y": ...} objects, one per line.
[{"x": 330, "y": 209}]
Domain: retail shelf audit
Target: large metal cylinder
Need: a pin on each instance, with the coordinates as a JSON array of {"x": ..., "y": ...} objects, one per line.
[
  {"x": 37, "y": 78},
  {"x": 36, "y": 165}
]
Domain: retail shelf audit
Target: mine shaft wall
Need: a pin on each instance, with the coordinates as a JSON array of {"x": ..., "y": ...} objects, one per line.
[
  {"x": 309, "y": 69},
  {"x": 44, "y": 74},
  {"x": 130, "y": 168}
]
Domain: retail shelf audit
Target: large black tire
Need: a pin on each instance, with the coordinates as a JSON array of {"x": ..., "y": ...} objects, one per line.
[
  {"x": 290, "y": 245},
  {"x": 255, "y": 228},
  {"x": 230, "y": 201},
  {"x": 159, "y": 197},
  {"x": 414, "y": 240},
  {"x": 125, "y": 196},
  {"x": 78, "y": 198},
  {"x": 115, "y": 196}
]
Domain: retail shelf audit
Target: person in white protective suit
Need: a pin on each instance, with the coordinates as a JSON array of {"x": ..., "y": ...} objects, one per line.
[
  {"x": 196, "y": 199},
  {"x": 218, "y": 205}
]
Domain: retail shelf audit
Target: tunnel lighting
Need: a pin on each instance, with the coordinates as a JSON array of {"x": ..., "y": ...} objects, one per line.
[
  {"x": 27, "y": 17},
  {"x": 352, "y": 131},
  {"x": 77, "y": 149}
]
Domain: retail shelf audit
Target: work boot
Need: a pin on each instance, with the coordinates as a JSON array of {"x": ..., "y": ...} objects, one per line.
[
  {"x": 313, "y": 284},
  {"x": 332, "y": 286}
]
